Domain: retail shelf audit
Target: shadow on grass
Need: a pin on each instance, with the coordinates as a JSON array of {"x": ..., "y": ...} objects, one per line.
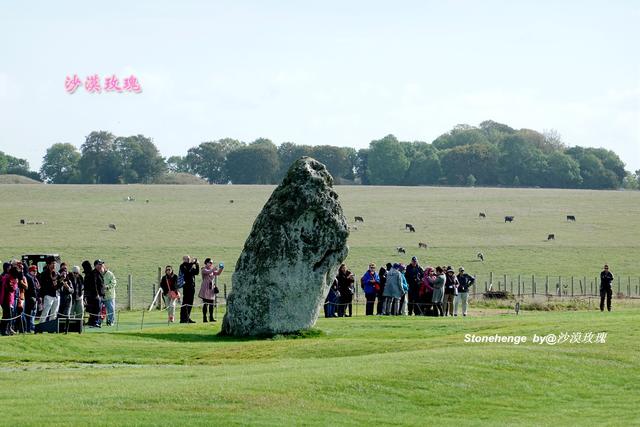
[{"x": 207, "y": 337}]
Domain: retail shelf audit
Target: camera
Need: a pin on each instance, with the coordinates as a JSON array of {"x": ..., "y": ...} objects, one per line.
[{"x": 221, "y": 265}]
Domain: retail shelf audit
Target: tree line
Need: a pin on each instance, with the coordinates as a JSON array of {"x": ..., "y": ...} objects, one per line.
[{"x": 490, "y": 154}]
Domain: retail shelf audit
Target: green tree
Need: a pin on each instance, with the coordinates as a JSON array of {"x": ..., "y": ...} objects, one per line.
[
  {"x": 424, "y": 167},
  {"x": 338, "y": 160},
  {"x": 471, "y": 181},
  {"x": 594, "y": 174},
  {"x": 563, "y": 171},
  {"x": 362, "y": 166},
  {"x": 519, "y": 157},
  {"x": 60, "y": 164},
  {"x": 99, "y": 163},
  {"x": 256, "y": 163},
  {"x": 209, "y": 160},
  {"x": 288, "y": 152},
  {"x": 139, "y": 158},
  {"x": 16, "y": 166},
  {"x": 387, "y": 162},
  {"x": 479, "y": 160},
  {"x": 460, "y": 135}
]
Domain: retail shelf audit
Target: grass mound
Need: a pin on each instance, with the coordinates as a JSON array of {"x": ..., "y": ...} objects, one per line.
[{"x": 17, "y": 179}]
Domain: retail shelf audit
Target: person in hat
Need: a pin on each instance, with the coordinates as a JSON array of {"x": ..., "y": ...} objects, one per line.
[
  {"x": 414, "y": 274},
  {"x": 438, "y": 290},
  {"x": 464, "y": 282},
  {"x": 606, "y": 279}
]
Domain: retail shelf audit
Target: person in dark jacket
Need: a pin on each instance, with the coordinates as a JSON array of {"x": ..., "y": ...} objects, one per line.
[
  {"x": 370, "y": 283},
  {"x": 94, "y": 291},
  {"x": 413, "y": 274},
  {"x": 332, "y": 300},
  {"x": 49, "y": 291},
  {"x": 170, "y": 293},
  {"x": 65, "y": 287},
  {"x": 347, "y": 289},
  {"x": 382, "y": 274},
  {"x": 606, "y": 279},
  {"x": 77, "y": 309},
  {"x": 31, "y": 299},
  {"x": 450, "y": 291},
  {"x": 189, "y": 270},
  {"x": 464, "y": 282}
]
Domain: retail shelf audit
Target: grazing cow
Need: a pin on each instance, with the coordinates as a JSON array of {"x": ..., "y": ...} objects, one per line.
[
  {"x": 480, "y": 256},
  {"x": 422, "y": 245},
  {"x": 410, "y": 227},
  {"x": 147, "y": 200},
  {"x": 482, "y": 215},
  {"x": 231, "y": 201},
  {"x": 401, "y": 250},
  {"x": 508, "y": 219},
  {"x": 551, "y": 237},
  {"x": 358, "y": 219},
  {"x": 571, "y": 218},
  {"x": 22, "y": 221},
  {"x": 112, "y": 226}
]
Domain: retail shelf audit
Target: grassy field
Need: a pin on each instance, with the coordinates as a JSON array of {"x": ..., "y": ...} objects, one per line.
[
  {"x": 201, "y": 221},
  {"x": 357, "y": 371}
]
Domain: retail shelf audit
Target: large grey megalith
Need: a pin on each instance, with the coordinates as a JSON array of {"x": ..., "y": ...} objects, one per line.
[{"x": 291, "y": 256}]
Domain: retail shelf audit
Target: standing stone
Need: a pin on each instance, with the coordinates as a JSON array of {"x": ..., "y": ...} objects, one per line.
[{"x": 291, "y": 256}]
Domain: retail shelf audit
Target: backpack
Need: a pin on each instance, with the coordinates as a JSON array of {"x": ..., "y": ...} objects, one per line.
[{"x": 180, "y": 283}]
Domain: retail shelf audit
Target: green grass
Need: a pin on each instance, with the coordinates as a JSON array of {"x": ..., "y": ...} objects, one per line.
[
  {"x": 200, "y": 220},
  {"x": 358, "y": 371}
]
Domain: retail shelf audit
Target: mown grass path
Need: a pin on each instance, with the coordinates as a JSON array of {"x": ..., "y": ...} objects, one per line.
[{"x": 357, "y": 371}]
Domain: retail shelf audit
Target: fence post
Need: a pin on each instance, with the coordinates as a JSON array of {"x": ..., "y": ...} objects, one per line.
[
  {"x": 629, "y": 287},
  {"x": 571, "y": 285},
  {"x": 559, "y": 286},
  {"x": 585, "y": 285},
  {"x": 546, "y": 286},
  {"x": 505, "y": 282},
  {"x": 519, "y": 282},
  {"x": 491, "y": 279},
  {"x": 533, "y": 285},
  {"x": 159, "y": 280},
  {"x": 130, "y": 289}
]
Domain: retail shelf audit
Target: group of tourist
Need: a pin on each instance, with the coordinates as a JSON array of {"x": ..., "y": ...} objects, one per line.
[
  {"x": 400, "y": 289},
  {"x": 182, "y": 287},
  {"x": 57, "y": 291}
]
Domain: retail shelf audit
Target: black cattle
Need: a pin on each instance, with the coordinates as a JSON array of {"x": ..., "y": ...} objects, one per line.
[
  {"x": 401, "y": 250},
  {"x": 410, "y": 227},
  {"x": 571, "y": 218},
  {"x": 112, "y": 226},
  {"x": 508, "y": 219},
  {"x": 551, "y": 237},
  {"x": 482, "y": 215},
  {"x": 358, "y": 219},
  {"x": 480, "y": 256},
  {"x": 422, "y": 245},
  {"x": 231, "y": 201}
]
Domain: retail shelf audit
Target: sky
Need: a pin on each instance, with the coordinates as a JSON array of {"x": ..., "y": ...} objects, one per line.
[{"x": 319, "y": 72}]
